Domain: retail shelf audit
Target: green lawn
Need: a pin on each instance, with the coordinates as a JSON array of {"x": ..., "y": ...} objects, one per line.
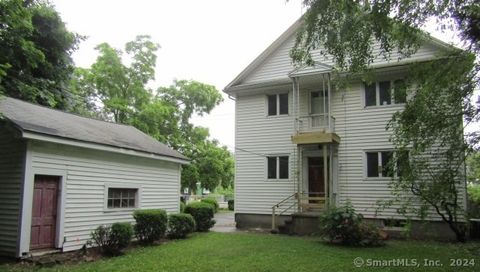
[{"x": 265, "y": 252}]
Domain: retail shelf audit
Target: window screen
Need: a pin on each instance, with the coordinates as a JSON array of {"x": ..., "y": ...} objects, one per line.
[
  {"x": 400, "y": 91},
  {"x": 372, "y": 164},
  {"x": 272, "y": 105},
  {"x": 283, "y": 163},
  {"x": 283, "y": 103},
  {"x": 385, "y": 93},
  {"x": 272, "y": 167},
  {"x": 370, "y": 95},
  {"x": 387, "y": 170}
]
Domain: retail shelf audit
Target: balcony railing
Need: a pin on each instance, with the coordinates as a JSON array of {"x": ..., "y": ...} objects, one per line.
[{"x": 315, "y": 122}]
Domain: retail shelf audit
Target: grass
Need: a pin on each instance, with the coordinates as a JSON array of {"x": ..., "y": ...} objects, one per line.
[{"x": 266, "y": 252}]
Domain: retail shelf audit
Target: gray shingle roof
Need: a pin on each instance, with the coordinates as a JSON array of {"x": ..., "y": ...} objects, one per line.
[{"x": 43, "y": 120}]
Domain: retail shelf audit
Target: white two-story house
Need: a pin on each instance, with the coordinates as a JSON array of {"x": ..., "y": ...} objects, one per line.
[{"x": 302, "y": 144}]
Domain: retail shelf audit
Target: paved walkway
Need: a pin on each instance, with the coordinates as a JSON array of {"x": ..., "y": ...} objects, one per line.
[{"x": 225, "y": 222}]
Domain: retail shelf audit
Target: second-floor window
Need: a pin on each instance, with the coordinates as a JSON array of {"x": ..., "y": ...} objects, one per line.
[
  {"x": 379, "y": 163},
  {"x": 277, "y": 104},
  {"x": 380, "y": 93},
  {"x": 277, "y": 167}
]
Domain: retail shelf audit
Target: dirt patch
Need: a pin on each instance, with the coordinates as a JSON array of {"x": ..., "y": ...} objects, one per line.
[{"x": 83, "y": 255}]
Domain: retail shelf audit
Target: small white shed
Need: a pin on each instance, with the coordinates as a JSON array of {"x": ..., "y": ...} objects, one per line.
[{"x": 62, "y": 175}]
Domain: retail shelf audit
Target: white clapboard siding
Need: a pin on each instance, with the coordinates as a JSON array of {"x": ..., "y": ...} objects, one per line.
[
  {"x": 88, "y": 172},
  {"x": 279, "y": 64},
  {"x": 12, "y": 157},
  {"x": 257, "y": 136}
]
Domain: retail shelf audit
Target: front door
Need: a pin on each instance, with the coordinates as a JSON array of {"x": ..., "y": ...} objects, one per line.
[
  {"x": 316, "y": 184},
  {"x": 44, "y": 212}
]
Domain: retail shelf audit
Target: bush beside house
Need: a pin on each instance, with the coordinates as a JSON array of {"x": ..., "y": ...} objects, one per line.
[
  {"x": 202, "y": 213},
  {"x": 112, "y": 239},
  {"x": 180, "y": 225},
  {"x": 150, "y": 225},
  {"x": 344, "y": 226}
]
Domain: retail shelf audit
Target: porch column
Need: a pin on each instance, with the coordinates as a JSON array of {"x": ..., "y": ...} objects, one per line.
[{"x": 325, "y": 172}]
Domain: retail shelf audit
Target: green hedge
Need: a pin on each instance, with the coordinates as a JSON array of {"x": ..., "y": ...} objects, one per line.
[
  {"x": 212, "y": 202},
  {"x": 180, "y": 225},
  {"x": 150, "y": 225},
  {"x": 202, "y": 213},
  {"x": 112, "y": 239}
]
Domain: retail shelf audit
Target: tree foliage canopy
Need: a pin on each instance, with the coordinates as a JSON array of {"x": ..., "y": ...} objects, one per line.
[
  {"x": 35, "y": 48},
  {"x": 124, "y": 96},
  {"x": 430, "y": 128}
]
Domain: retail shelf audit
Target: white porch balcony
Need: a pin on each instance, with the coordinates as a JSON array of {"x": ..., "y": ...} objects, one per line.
[{"x": 320, "y": 122}]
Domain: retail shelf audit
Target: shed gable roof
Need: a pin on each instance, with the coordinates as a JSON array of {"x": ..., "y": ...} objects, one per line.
[{"x": 28, "y": 117}]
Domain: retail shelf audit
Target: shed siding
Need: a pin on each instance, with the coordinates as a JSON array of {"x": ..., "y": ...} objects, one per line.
[
  {"x": 279, "y": 64},
  {"x": 87, "y": 174},
  {"x": 259, "y": 135},
  {"x": 12, "y": 156}
]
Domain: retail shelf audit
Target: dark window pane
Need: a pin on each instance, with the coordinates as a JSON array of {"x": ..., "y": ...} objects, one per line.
[
  {"x": 131, "y": 203},
  {"x": 283, "y": 161},
  {"x": 110, "y": 203},
  {"x": 385, "y": 93},
  {"x": 372, "y": 164},
  {"x": 116, "y": 203},
  {"x": 370, "y": 95},
  {"x": 387, "y": 168},
  {"x": 272, "y": 167},
  {"x": 124, "y": 203},
  {"x": 272, "y": 105},
  {"x": 400, "y": 91},
  {"x": 283, "y": 103}
]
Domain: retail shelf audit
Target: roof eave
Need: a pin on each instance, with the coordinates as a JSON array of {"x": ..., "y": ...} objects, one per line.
[{"x": 95, "y": 146}]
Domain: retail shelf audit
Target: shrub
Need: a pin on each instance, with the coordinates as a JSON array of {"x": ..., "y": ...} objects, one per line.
[
  {"x": 473, "y": 191},
  {"x": 212, "y": 202},
  {"x": 182, "y": 206},
  {"x": 231, "y": 204},
  {"x": 345, "y": 226},
  {"x": 150, "y": 225},
  {"x": 180, "y": 225},
  {"x": 202, "y": 213},
  {"x": 112, "y": 239}
]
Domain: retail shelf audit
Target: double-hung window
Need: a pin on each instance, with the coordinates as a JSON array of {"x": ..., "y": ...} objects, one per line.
[
  {"x": 277, "y": 167},
  {"x": 379, "y": 163},
  {"x": 380, "y": 93},
  {"x": 277, "y": 104}
]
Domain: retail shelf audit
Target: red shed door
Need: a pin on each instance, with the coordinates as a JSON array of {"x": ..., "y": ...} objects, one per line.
[{"x": 44, "y": 212}]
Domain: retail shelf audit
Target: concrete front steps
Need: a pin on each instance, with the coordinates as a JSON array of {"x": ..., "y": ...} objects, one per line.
[{"x": 305, "y": 223}]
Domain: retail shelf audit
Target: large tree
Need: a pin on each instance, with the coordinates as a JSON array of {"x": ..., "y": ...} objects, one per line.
[
  {"x": 118, "y": 92},
  {"x": 430, "y": 128},
  {"x": 35, "y": 49}
]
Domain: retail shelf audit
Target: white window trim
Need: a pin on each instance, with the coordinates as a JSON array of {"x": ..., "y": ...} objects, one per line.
[
  {"x": 277, "y": 98},
  {"x": 278, "y": 167},
  {"x": 377, "y": 94},
  {"x": 138, "y": 199}
]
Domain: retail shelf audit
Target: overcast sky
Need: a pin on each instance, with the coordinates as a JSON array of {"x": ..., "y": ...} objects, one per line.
[{"x": 210, "y": 41}]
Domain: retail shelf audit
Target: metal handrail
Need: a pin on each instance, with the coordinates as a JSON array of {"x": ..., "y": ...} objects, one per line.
[{"x": 274, "y": 207}]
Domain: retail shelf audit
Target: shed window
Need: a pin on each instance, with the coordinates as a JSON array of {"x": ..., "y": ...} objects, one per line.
[
  {"x": 122, "y": 198},
  {"x": 370, "y": 95},
  {"x": 277, "y": 167},
  {"x": 277, "y": 104}
]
